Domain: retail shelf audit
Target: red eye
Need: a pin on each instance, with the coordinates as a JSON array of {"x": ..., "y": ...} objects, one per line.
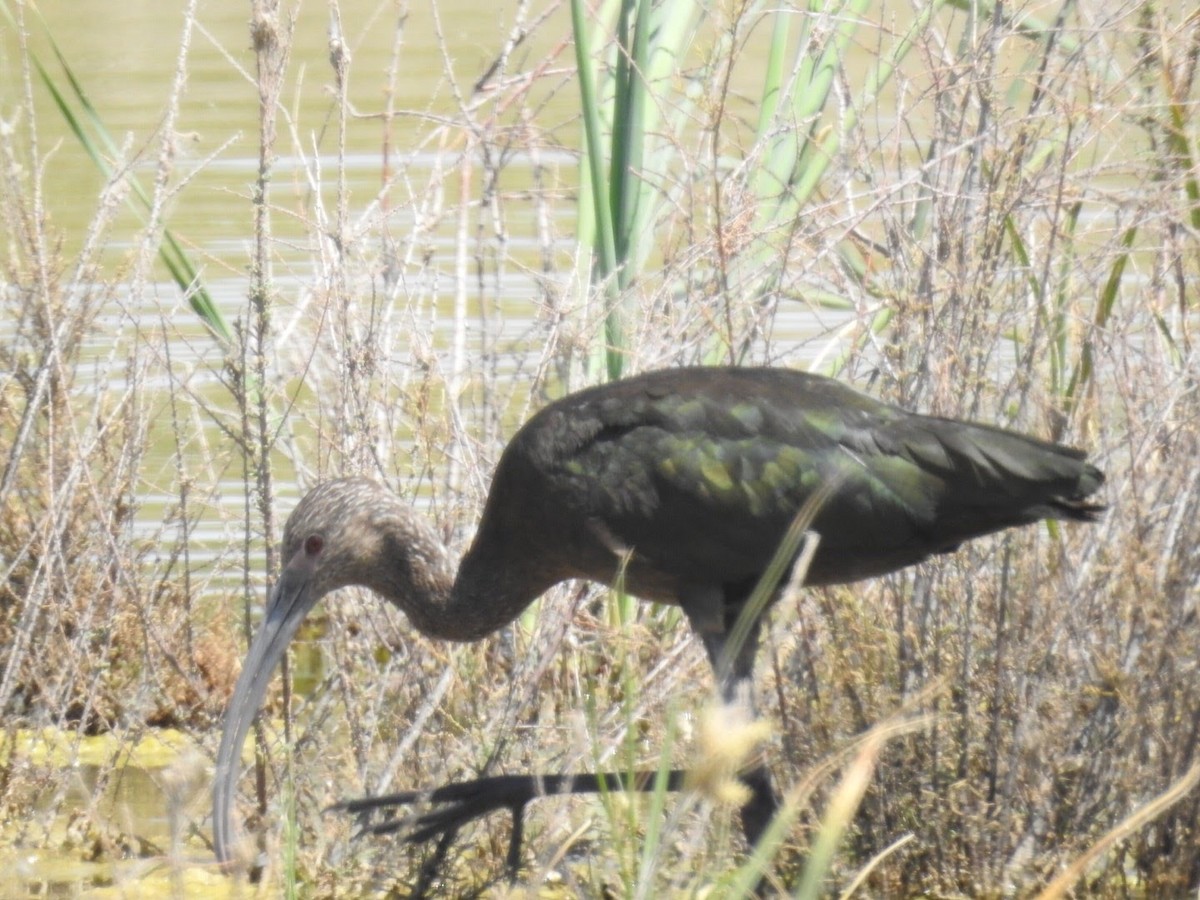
[{"x": 314, "y": 544}]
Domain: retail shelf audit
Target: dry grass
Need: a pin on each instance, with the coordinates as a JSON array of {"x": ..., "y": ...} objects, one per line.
[{"x": 991, "y": 198}]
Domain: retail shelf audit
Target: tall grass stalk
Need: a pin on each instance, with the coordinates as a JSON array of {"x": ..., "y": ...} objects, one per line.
[
  {"x": 600, "y": 197},
  {"x": 616, "y": 208},
  {"x": 270, "y": 33}
]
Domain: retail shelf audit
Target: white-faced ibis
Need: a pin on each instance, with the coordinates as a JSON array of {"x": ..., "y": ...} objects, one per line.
[{"x": 681, "y": 483}]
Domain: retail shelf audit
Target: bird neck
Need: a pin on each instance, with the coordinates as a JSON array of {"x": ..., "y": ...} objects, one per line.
[{"x": 488, "y": 591}]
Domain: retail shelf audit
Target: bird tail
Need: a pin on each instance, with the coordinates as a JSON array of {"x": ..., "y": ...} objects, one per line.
[
  {"x": 1074, "y": 506},
  {"x": 997, "y": 478}
]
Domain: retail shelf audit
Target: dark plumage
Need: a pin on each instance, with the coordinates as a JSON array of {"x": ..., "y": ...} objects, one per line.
[{"x": 684, "y": 480}]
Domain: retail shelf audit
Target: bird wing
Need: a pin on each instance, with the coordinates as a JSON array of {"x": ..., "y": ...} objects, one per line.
[{"x": 701, "y": 472}]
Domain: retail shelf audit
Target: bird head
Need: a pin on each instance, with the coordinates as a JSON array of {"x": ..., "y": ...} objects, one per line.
[{"x": 328, "y": 543}]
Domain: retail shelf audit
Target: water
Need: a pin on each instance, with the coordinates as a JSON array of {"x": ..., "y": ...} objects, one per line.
[
  {"x": 118, "y": 828},
  {"x": 126, "y": 59},
  {"x": 126, "y": 56}
]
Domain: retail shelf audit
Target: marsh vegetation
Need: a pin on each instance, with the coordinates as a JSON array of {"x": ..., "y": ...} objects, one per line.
[{"x": 399, "y": 230}]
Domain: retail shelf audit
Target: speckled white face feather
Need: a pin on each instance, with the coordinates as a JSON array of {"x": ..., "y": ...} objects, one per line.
[{"x": 370, "y": 538}]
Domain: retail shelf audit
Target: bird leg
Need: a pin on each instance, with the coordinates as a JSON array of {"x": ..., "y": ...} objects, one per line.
[
  {"x": 734, "y": 668},
  {"x": 461, "y": 802}
]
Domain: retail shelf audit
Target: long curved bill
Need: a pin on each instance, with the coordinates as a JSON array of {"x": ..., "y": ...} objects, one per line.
[{"x": 290, "y": 601}]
